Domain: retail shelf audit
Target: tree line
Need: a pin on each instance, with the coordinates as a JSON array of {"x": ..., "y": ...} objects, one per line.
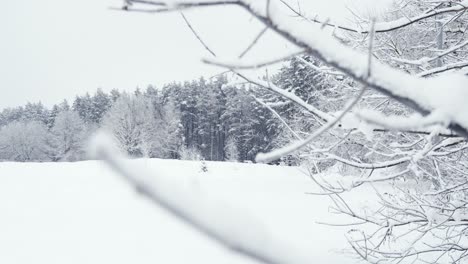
[{"x": 199, "y": 119}]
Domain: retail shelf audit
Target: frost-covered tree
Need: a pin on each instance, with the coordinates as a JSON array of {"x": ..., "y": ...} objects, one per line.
[
  {"x": 52, "y": 115},
  {"x": 190, "y": 153},
  {"x": 170, "y": 130},
  {"x": 131, "y": 121},
  {"x": 67, "y": 136},
  {"x": 83, "y": 105},
  {"x": 114, "y": 94},
  {"x": 250, "y": 123},
  {"x": 56, "y": 109},
  {"x": 35, "y": 112},
  {"x": 24, "y": 141},
  {"x": 10, "y": 115},
  {"x": 29, "y": 112},
  {"x": 101, "y": 102},
  {"x": 92, "y": 108}
]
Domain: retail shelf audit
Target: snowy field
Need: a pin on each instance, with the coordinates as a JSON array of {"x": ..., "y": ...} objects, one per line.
[{"x": 83, "y": 213}]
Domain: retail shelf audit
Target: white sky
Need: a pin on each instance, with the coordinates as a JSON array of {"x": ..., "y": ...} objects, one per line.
[{"x": 56, "y": 49}]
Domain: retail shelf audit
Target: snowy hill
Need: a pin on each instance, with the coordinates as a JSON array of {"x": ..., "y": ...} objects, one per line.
[{"x": 83, "y": 213}]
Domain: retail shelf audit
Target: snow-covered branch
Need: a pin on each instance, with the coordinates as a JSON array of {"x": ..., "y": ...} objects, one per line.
[
  {"x": 230, "y": 226},
  {"x": 382, "y": 27},
  {"x": 423, "y": 95}
]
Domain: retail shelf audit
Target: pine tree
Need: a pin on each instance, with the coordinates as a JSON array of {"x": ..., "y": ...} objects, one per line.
[
  {"x": 64, "y": 106},
  {"x": 53, "y": 115},
  {"x": 169, "y": 133},
  {"x": 101, "y": 102},
  {"x": 12, "y": 114},
  {"x": 35, "y": 112},
  {"x": 114, "y": 94},
  {"x": 83, "y": 105}
]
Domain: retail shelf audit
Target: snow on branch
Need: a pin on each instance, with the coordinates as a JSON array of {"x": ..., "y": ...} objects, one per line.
[
  {"x": 238, "y": 64},
  {"x": 278, "y": 116},
  {"x": 382, "y": 27},
  {"x": 294, "y": 98},
  {"x": 445, "y": 93},
  {"x": 425, "y": 60},
  {"x": 399, "y": 123},
  {"x": 177, "y": 4},
  {"x": 445, "y": 68},
  {"x": 278, "y": 153}
]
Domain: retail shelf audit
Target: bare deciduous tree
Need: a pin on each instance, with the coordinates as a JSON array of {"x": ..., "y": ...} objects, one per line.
[
  {"x": 24, "y": 140},
  {"x": 67, "y": 136},
  {"x": 404, "y": 74}
]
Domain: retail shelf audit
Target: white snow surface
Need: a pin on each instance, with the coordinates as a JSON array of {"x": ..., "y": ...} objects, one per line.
[{"x": 83, "y": 213}]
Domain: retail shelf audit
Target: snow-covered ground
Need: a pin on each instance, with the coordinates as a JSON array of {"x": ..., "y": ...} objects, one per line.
[{"x": 83, "y": 213}]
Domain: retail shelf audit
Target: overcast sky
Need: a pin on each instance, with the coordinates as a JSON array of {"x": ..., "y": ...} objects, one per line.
[{"x": 56, "y": 49}]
